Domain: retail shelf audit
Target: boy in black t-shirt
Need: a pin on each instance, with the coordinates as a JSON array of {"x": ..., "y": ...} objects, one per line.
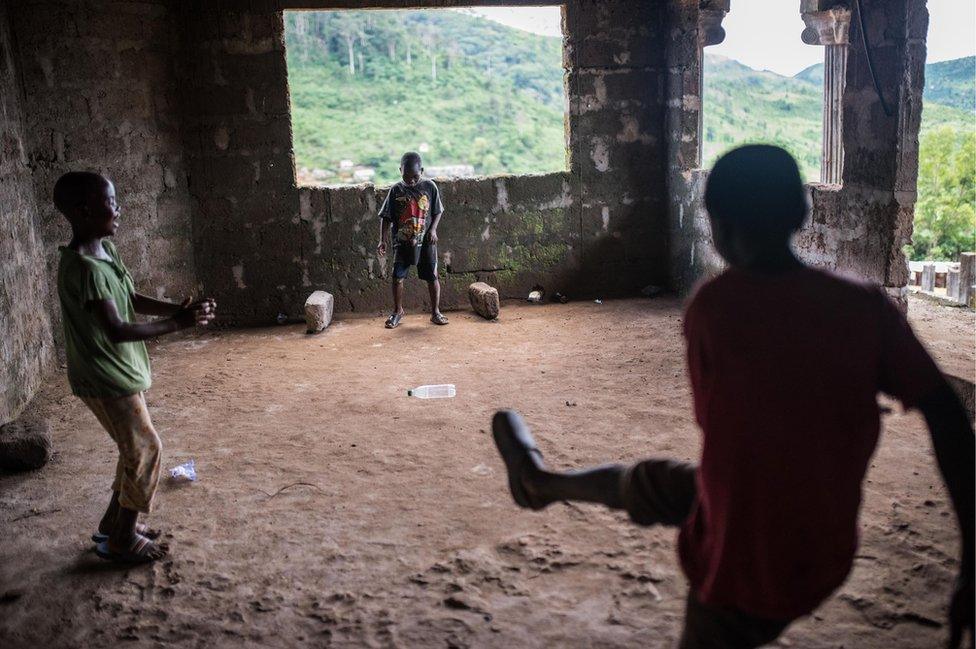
[{"x": 410, "y": 213}]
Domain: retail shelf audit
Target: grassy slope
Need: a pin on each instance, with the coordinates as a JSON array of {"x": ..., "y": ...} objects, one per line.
[
  {"x": 744, "y": 105},
  {"x": 508, "y": 122},
  {"x": 512, "y": 121}
]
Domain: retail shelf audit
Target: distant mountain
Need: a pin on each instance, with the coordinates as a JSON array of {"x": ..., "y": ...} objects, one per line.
[
  {"x": 745, "y": 105},
  {"x": 952, "y": 83},
  {"x": 949, "y": 83},
  {"x": 813, "y": 74}
]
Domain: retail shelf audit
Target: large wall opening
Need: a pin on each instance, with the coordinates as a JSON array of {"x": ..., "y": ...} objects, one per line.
[
  {"x": 945, "y": 213},
  {"x": 763, "y": 84},
  {"x": 474, "y": 96}
]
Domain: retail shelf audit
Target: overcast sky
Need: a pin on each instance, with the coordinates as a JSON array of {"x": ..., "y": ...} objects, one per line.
[{"x": 765, "y": 34}]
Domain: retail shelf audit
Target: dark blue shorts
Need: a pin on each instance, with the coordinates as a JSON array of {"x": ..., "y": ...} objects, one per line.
[{"x": 424, "y": 257}]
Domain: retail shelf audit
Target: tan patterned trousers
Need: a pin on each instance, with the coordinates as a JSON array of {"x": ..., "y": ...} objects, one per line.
[{"x": 127, "y": 420}]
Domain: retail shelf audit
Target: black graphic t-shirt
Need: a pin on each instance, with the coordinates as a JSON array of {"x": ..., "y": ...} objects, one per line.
[{"x": 409, "y": 209}]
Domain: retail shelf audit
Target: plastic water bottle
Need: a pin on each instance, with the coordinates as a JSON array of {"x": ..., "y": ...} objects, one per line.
[{"x": 433, "y": 391}]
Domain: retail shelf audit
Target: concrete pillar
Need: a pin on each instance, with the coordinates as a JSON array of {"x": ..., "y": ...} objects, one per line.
[
  {"x": 928, "y": 278},
  {"x": 830, "y": 28},
  {"x": 967, "y": 276},
  {"x": 952, "y": 284}
]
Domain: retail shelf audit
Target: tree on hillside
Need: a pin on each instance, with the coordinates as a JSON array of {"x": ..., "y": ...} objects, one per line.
[
  {"x": 430, "y": 40},
  {"x": 350, "y": 30},
  {"x": 945, "y": 214}
]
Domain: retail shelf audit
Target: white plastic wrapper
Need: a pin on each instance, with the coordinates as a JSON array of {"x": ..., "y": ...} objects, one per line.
[{"x": 186, "y": 471}]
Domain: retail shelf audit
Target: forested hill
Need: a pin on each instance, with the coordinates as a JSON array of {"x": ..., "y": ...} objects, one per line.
[
  {"x": 367, "y": 86},
  {"x": 949, "y": 83},
  {"x": 476, "y": 97},
  {"x": 743, "y": 105}
]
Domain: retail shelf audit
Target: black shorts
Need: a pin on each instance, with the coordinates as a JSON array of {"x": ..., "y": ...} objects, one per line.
[
  {"x": 662, "y": 492},
  {"x": 424, "y": 257}
]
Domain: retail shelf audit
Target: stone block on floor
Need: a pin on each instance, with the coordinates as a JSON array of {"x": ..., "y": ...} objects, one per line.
[
  {"x": 484, "y": 300},
  {"x": 318, "y": 311},
  {"x": 25, "y": 444}
]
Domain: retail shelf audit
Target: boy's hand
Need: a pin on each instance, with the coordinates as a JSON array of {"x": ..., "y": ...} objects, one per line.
[
  {"x": 381, "y": 248},
  {"x": 432, "y": 236},
  {"x": 199, "y": 313}
]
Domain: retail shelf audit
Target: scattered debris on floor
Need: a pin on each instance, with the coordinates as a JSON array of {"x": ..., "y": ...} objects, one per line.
[{"x": 186, "y": 472}]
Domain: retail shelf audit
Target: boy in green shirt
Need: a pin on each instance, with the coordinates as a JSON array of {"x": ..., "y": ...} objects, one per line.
[{"x": 108, "y": 367}]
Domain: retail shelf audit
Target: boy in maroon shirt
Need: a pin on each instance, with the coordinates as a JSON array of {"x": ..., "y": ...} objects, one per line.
[{"x": 786, "y": 362}]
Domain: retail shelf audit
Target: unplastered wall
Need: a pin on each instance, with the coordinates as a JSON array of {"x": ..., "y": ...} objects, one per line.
[
  {"x": 262, "y": 243},
  {"x": 858, "y": 228},
  {"x": 99, "y": 94},
  {"x": 26, "y": 345}
]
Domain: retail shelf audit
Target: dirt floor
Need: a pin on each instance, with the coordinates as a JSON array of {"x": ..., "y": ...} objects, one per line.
[{"x": 333, "y": 510}]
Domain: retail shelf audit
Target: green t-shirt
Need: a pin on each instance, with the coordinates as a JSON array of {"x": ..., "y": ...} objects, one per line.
[{"x": 97, "y": 367}]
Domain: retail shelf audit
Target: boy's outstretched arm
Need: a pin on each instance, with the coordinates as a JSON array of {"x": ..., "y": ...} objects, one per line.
[
  {"x": 120, "y": 331},
  {"x": 147, "y": 305},
  {"x": 955, "y": 448}
]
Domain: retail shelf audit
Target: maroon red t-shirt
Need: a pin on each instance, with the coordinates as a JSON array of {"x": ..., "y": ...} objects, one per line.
[{"x": 785, "y": 372}]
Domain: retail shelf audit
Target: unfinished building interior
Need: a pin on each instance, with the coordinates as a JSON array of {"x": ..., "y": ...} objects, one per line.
[{"x": 331, "y": 512}]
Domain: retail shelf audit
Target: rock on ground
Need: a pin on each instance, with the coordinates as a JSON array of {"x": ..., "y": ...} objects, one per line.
[
  {"x": 484, "y": 300},
  {"x": 24, "y": 445},
  {"x": 318, "y": 311}
]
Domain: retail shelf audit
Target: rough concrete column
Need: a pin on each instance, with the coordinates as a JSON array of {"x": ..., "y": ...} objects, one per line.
[
  {"x": 928, "y": 278},
  {"x": 967, "y": 276},
  {"x": 830, "y": 28}
]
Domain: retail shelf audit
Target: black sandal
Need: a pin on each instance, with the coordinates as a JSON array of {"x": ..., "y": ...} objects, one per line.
[
  {"x": 394, "y": 320},
  {"x": 439, "y": 319}
]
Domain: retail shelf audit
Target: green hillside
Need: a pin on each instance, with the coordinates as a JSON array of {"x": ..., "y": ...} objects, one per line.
[
  {"x": 461, "y": 89},
  {"x": 744, "y": 105},
  {"x": 949, "y": 83},
  {"x": 367, "y": 86}
]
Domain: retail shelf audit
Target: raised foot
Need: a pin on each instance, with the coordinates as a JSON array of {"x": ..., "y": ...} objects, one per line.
[{"x": 522, "y": 457}]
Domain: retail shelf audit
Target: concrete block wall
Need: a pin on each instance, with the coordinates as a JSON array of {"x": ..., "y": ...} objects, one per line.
[
  {"x": 26, "y": 347},
  {"x": 262, "y": 243},
  {"x": 858, "y": 228},
  {"x": 99, "y": 80}
]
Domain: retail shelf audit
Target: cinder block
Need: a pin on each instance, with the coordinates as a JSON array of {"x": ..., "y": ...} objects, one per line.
[
  {"x": 318, "y": 311},
  {"x": 484, "y": 300}
]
